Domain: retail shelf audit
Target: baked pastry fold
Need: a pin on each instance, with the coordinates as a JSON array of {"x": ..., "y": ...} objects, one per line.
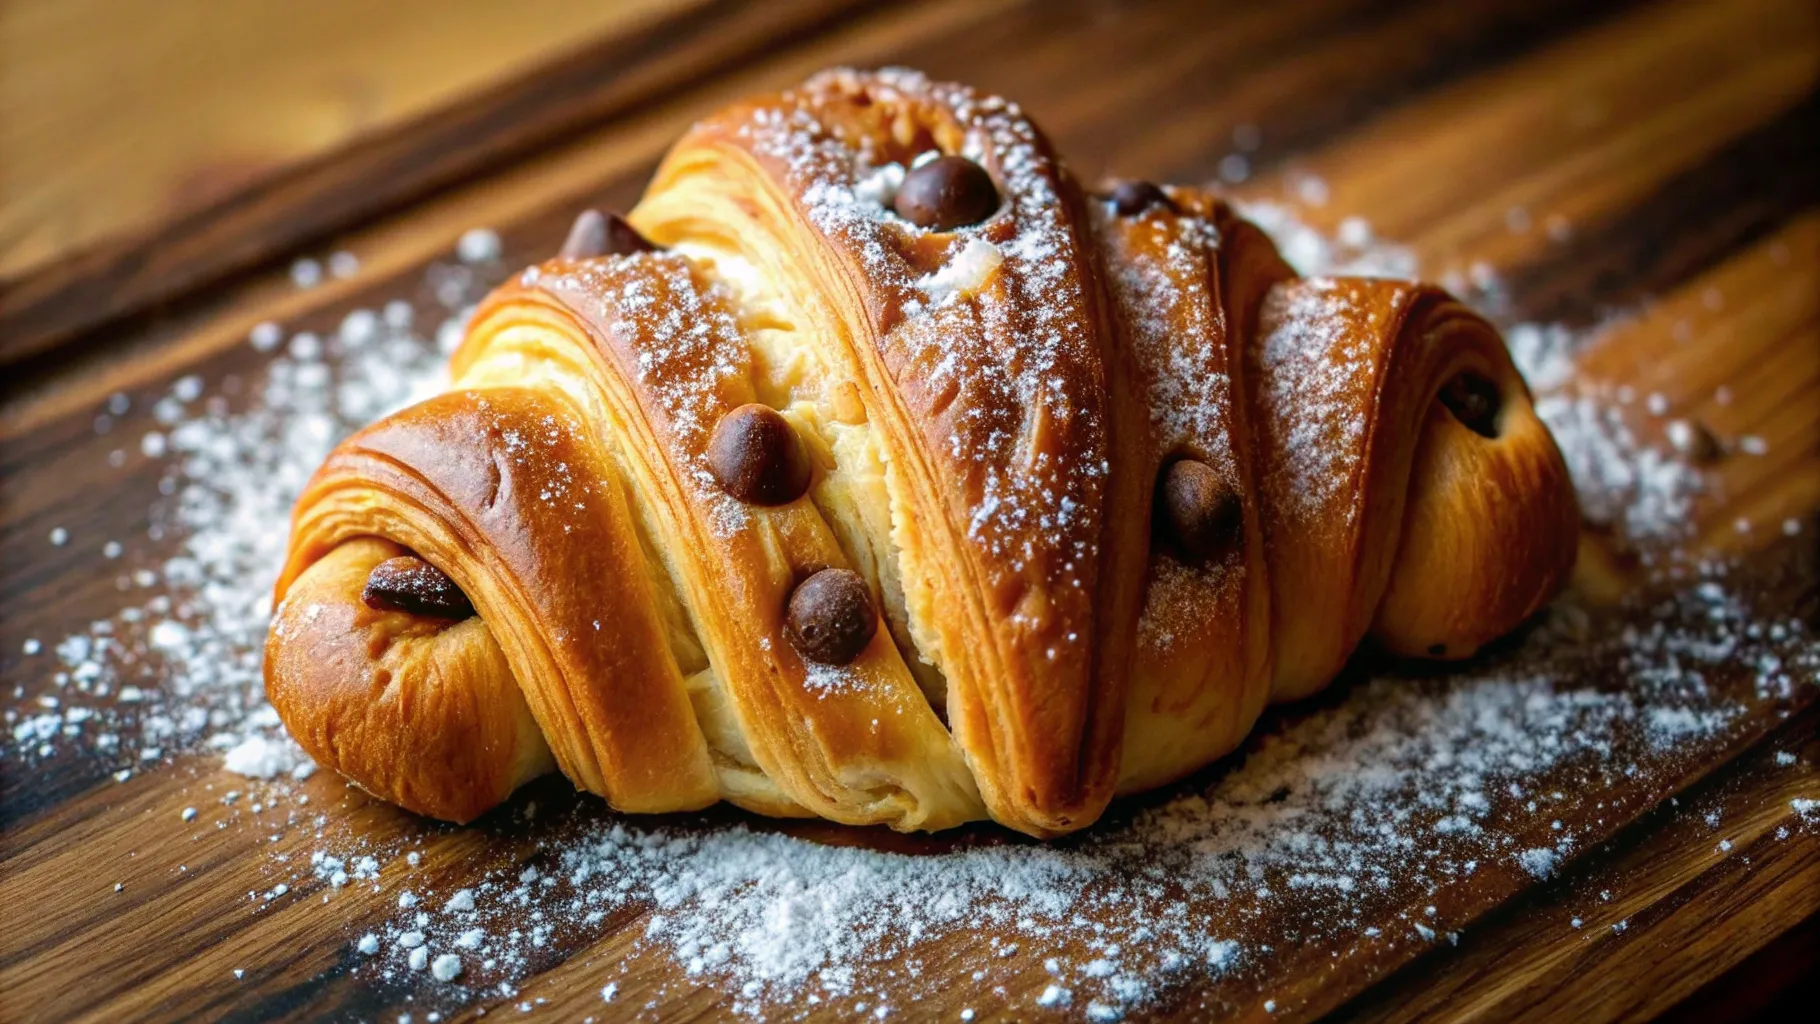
[{"x": 884, "y": 475}]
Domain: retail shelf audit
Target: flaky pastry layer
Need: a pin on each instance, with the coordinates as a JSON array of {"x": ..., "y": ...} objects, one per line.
[{"x": 987, "y": 411}]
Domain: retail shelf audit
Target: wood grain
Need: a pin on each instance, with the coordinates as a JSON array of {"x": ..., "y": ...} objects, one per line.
[
  {"x": 111, "y": 123},
  {"x": 1346, "y": 48},
  {"x": 607, "y": 165},
  {"x": 1665, "y": 136},
  {"x": 315, "y": 198},
  {"x": 1690, "y": 911}
]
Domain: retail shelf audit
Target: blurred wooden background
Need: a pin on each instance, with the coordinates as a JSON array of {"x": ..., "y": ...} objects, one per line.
[{"x": 118, "y": 114}]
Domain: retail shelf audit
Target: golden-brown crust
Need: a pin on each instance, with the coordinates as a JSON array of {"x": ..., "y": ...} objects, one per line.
[
  {"x": 987, "y": 409},
  {"x": 1347, "y": 374},
  {"x": 423, "y": 712},
  {"x": 997, "y": 411},
  {"x": 507, "y": 493},
  {"x": 1490, "y": 528},
  {"x": 1188, "y": 277},
  {"x": 855, "y": 743}
]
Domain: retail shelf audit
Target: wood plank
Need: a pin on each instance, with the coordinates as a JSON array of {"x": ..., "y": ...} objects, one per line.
[
  {"x": 1309, "y": 47},
  {"x": 318, "y": 197},
  {"x": 1689, "y": 909},
  {"x": 1575, "y": 110},
  {"x": 1778, "y": 982},
  {"x": 110, "y": 123},
  {"x": 1762, "y": 339}
]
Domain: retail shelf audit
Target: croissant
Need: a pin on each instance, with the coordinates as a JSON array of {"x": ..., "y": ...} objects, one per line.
[{"x": 873, "y": 470}]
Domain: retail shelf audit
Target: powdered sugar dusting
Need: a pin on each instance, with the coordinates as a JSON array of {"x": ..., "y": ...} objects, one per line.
[
  {"x": 262, "y": 757},
  {"x": 1031, "y": 510},
  {"x": 687, "y": 346},
  {"x": 1648, "y": 491},
  {"x": 964, "y": 275},
  {"x": 1336, "y": 821},
  {"x": 1333, "y": 821},
  {"x": 1188, "y": 399},
  {"x": 1355, "y": 252},
  {"x": 182, "y": 667},
  {"x": 1315, "y": 369}
]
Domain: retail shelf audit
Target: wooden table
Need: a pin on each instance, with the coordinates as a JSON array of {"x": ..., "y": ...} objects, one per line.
[{"x": 1663, "y": 159}]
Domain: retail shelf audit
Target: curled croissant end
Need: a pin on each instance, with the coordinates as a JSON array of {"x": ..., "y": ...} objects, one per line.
[
  {"x": 889, "y": 477},
  {"x": 420, "y": 710},
  {"x": 1490, "y": 525}
]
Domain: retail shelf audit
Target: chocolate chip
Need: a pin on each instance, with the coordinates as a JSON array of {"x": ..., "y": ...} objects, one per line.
[
  {"x": 1130, "y": 198},
  {"x": 623, "y": 239},
  {"x": 1474, "y": 401},
  {"x": 596, "y": 234},
  {"x": 410, "y": 584},
  {"x": 587, "y": 236},
  {"x": 1696, "y": 441},
  {"x": 946, "y": 193},
  {"x": 1197, "y": 509},
  {"x": 1437, "y": 650},
  {"x": 831, "y": 619},
  {"x": 757, "y": 457}
]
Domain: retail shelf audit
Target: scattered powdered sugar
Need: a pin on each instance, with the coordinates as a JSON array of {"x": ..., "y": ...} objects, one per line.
[
  {"x": 1539, "y": 861},
  {"x": 824, "y": 679},
  {"x": 1544, "y": 352},
  {"x": 478, "y": 245},
  {"x": 260, "y": 757},
  {"x": 1006, "y": 372},
  {"x": 1316, "y": 369},
  {"x": 964, "y": 275},
  {"x": 306, "y": 273},
  {"x": 1333, "y": 821},
  {"x": 1356, "y": 251},
  {"x": 182, "y": 667},
  {"x": 1649, "y": 491}
]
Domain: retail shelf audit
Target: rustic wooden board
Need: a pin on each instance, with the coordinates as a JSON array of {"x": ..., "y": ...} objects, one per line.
[
  {"x": 112, "y": 125},
  {"x": 1685, "y": 905},
  {"x": 638, "y": 63},
  {"x": 1674, "y": 141}
]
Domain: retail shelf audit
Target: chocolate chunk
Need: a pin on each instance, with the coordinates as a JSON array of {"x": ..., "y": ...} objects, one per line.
[
  {"x": 946, "y": 193},
  {"x": 831, "y": 619},
  {"x": 1198, "y": 511},
  {"x": 623, "y": 239},
  {"x": 1130, "y": 198},
  {"x": 597, "y": 234},
  {"x": 1474, "y": 401},
  {"x": 587, "y": 237},
  {"x": 410, "y": 584},
  {"x": 757, "y": 457},
  {"x": 1696, "y": 440}
]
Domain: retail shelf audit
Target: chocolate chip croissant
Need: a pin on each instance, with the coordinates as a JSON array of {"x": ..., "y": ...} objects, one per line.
[{"x": 873, "y": 470}]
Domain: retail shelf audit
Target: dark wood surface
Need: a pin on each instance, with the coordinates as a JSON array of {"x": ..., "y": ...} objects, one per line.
[
  {"x": 111, "y": 125},
  {"x": 317, "y": 198},
  {"x": 1674, "y": 138}
]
